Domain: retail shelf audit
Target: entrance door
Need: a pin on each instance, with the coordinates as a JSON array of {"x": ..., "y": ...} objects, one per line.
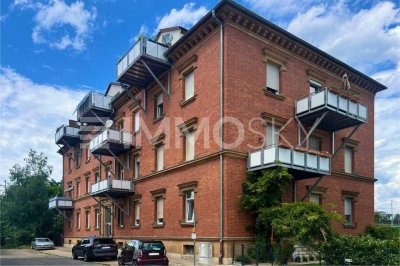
[{"x": 108, "y": 221}]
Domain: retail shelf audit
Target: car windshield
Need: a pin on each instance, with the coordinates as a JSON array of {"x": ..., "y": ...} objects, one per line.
[
  {"x": 152, "y": 246},
  {"x": 43, "y": 240},
  {"x": 103, "y": 241}
]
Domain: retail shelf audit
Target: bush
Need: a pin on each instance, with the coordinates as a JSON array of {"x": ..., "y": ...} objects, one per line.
[
  {"x": 284, "y": 250},
  {"x": 246, "y": 259},
  {"x": 383, "y": 231},
  {"x": 264, "y": 249},
  {"x": 363, "y": 250},
  {"x": 305, "y": 259},
  {"x": 312, "y": 258},
  {"x": 297, "y": 259}
]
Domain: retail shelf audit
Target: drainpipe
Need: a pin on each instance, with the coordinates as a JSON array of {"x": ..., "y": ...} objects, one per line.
[{"x": 221, "y": 140}]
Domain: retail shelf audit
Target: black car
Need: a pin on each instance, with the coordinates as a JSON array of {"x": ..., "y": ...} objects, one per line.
[
  {"x": 143, "y": 252},
  {"x": 95, "y": 247}
]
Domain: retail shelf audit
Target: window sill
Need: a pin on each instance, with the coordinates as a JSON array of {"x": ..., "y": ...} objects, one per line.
[
  {"x": 186, "y": 102},
  {"x": 272, "y": 95},
  {"x": 186, "y": 224},
  {"x": 156, "y": 119},
  {"x": 120, "y": 226},
  {"x": 96, "y": 229},
  {"x": 87, "y": 229},
  {"x": 135, "y": 226},
  {"x": 158, "y": 225},
  {"x": 136, "y": 132},
  {"x": 87, "y": 161},
  {"x": 349, "y": 225},
  {"x": 78, "y": 229}
]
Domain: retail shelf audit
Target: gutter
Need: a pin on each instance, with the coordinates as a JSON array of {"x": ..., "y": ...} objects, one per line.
[{"x": 221, "y": 140}]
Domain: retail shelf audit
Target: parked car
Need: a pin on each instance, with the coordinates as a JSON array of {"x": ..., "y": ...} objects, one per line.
[
  {"x": 143, "y": 252},
  {"x": 95, "y": 247},
  {"x": 42, "y": 243}
]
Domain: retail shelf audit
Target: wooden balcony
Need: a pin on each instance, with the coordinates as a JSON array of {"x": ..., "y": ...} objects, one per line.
[
  {"x": 66, "y": 135},
  {"x": 341, "y": 112},
  {"x": 112, "y": 188},
  {"x": 300, "y": 162},
  {"x": 61, "y": 203},
  {"x": 141, "y": 62},
  {"x": 111, "y": 142}
]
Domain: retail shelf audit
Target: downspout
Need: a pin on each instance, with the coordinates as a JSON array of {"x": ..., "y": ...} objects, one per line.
[{"x": 221, "y": 141}]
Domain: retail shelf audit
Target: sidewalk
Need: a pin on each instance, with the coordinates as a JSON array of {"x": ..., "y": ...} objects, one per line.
[{"x": 66, "y": 252}]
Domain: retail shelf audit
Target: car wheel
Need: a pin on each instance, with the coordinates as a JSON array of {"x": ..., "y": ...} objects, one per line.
[
  {"x": 31, "y": 246},
  {"x": 85, "y": 257},
  {"x": 74, "y": 256},
  {"x": 121, "y": 261}
]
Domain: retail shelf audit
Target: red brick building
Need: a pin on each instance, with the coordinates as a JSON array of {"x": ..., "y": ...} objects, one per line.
[{"x": 150, "y": 158}]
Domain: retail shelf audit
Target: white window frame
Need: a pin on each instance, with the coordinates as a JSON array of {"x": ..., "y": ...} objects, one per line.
[
  {"x": 272, "y": 134},
  {"x": 87, "y": 219},
  {"x": 189, "y": 85},
  {"x": 312, "y": 141},
  {"x": 97, "y": 213},
  {"x": 315, "y": 198},
  {"x": 136, "y": 122},
  {"x": 160, "y": 158},
  {"x": 78, "y": 189},
  {"x": 190, "y": 146},
  {"x": 136, "y": 222},
  {"x": 348, "y": 210},
  {"x": 348, "y": 160},
  {"x": 159, "y": 105},
  {"x": 315, "y": 86},
  {"x": 189, "y": 199},
  {"x": 78, "y": 220},
  {"x": 120, "y": 218},
  {"x": 273, "y": 84},
  {"x": 87, "y": 180},
  {"x": 137, "y": 167},
  {"x": 87, "y": 153},
  {"x": 97, "y": 178}
]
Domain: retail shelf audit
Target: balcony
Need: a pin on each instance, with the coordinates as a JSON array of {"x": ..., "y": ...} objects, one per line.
[
  {"x": 94, "y": 109},
  {"x": 67, "y": 136},
  {"x": 133, "y": 68},
  {"x": 111, "y": 142},
  {"x": 112, "y": 188},
  {"x": 61, "y": 203},
  {"x": 300, "y": 162},
  {"x": 341, "y": 111}
]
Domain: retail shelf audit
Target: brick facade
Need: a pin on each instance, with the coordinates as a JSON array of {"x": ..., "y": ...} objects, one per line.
[{"x": 245, "y": 99}]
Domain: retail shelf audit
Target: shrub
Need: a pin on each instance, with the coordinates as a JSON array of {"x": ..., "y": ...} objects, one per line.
[
  {"x": 312, "y": 258},
  {"x": 305, "y": 259},
  {"x": 246, "y": 259},
  {"x": 363, "y": 250},
  {"x": 297, "y": 259},
  {"x": 383, "y": 231}
]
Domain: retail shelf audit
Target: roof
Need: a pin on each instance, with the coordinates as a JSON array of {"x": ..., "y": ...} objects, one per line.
[
  {"x": 223, "y": 3},
  {"x": 182, "y": 29}
]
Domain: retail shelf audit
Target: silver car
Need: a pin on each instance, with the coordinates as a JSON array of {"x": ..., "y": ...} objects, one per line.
[{"x": 42, "y": 243}]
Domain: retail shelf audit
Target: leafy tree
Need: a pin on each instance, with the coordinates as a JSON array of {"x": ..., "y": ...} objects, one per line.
[{"x": 24, "y": 205}]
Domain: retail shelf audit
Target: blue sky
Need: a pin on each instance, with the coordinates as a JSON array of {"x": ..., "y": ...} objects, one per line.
[{"x": 54, "y": 51}]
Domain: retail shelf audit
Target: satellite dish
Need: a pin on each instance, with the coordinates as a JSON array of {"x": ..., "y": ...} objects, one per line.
[
  {"x": 167, "y": 39},
  {"x": 109, "y": 123}
]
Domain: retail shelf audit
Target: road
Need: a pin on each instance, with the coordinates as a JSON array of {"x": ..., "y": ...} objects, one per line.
[{"x": 33, "y": 257}]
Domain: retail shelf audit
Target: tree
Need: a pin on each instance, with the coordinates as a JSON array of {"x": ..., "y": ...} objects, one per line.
[{"x": 25, "y": 212}]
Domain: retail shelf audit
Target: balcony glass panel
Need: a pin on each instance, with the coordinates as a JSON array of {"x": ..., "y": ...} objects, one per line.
[
  {"x": 110, "y": 186},
  {"x": 317, "y": 99},
  {"x": 60, "y": 203}
]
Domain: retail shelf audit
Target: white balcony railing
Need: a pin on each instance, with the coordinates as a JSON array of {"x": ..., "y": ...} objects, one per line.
[
  {"x": 143, "y": 46},
  {"x": 115, "y": 184},
  {"x": 93, "y": 100},
  {"x": 291, "y": 158},
  {"x": 60, "y": 203},
  {"x": 66, "y": 131},
  {"x": 333, "y": 101},
  {"x": 110, "y": 136}
]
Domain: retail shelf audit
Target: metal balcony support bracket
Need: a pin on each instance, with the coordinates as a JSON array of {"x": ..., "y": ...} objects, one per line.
[
  {"x": 99, "y": 202},
  {"x": 120, "y": 162},
  {"x": 130, "y": 94},
  {"x": 63, "y": 214},
  {"x": 312, "y": 187},
  {"x": 346, "y": 139},
  {"x": 118, "y": 206},
  {"x": 315, "y": 125},
  {"x": 155, "y": 78},
  {"x": 105, "y": 166},
  {"x": 169, "y": 82}
]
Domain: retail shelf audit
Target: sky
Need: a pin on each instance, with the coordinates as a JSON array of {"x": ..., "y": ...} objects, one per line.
[{"x": 54, "y": 51}]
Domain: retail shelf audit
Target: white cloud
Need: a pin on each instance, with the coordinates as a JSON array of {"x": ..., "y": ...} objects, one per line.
[
  {"x": 144, "y": 30},
  {"x": 184, "y": 17},
  {"x": 363, "y": 39},
  {"x": 60, "y": 25},
  {"x": 30, "y": 113}
]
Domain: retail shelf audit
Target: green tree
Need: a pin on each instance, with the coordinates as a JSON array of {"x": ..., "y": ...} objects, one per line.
[{"x": 24, "y": 205}]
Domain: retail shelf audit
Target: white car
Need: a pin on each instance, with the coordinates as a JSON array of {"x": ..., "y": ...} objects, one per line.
[{"x": 42, "y": 243}]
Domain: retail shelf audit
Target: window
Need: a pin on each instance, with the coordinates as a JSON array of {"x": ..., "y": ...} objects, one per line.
[
  {"x": 314, "y": 86},
  {"x": 273, "y": 78},
  {"x": 78, "y": 157},
  {"x": 159, "y": 106},
  {"x": 136, "y": 221},
  {"x": 160, "y": 158},
  {"x": 87, "y": 219},
  {"x": 137, "y": 122},
  {"x": 315, "y": 198},
  {"x": 348, "y": 210},
  {"x": 137, "y": 167},
  {"x": 159, "y": 210},
  {"x": 78, "y": 189},
  {"x": 348, "y": 160},
  {"x": 314, "y": 143},
  {"x": 272, "y": 137},
  {"x": 120, "y": 171},
  {"x": 108, "y": 172},
  {"x": 97, "y": 177},
  {"x": 189, "y": 146},
  {"x": 189, "y": 206},
  {"x": 120, "y": 125},
  {"x": 69, "y": 164},
  {"x": 120, "y": 217},
  {"x": 87, "y": 154},
  {"x": 78, "y": 220},
  {"x": 189, "y": 85},
  {"x": 87, "y": 179},
  {"x": 97, "y": 214}
]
